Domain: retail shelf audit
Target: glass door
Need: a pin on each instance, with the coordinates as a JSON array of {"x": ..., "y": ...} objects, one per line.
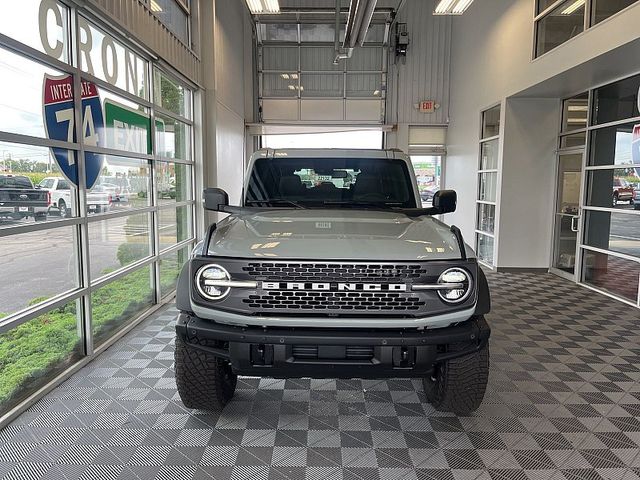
[{"x": 567, "y": 214}]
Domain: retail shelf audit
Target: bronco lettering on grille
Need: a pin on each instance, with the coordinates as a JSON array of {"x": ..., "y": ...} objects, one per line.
[{"x": 336, "y": 287}]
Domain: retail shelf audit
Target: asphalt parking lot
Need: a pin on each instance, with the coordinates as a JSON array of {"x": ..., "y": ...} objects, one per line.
[{"x": 43, "y": 264}]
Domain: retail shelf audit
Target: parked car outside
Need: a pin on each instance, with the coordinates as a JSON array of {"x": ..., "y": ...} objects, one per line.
[
  {"x": 622, "y": 191},
  {"x": 59, "y": 188},
  {"x": 20, "y": 199}
]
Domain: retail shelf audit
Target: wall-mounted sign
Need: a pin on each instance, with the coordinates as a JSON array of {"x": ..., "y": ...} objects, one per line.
[
  {"x": 59, "y": 121},
  {"x": 427, "y": 106},
  {"x": 127, "y": 129}
]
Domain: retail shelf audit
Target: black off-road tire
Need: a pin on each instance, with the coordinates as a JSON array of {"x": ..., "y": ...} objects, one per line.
[
  {"x": 458, "y": 385},
  {"x": 204, "y": 381}
]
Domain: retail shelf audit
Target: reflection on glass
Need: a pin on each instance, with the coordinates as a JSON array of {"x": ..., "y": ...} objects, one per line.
[
  {"x": 485, "y": 248},
  {"x": 322, "y": 85},
  {"x": 171, "y": 95},
  {"x": 573, "y": 140},
  {"x": 603, "y": 9},
  {"x": 127, "y": 126},
  {"x": 544, "y": 4},
  {"x": 37, "y": 351},
  {"x": 281, "y": 57},
  {"x": 119, "y": 302},
  {"x": 611, "y": 188},
  {"x": 611, "y": 274},
  {"x": 104, "y": 57},
  {"x": 491, "y": 122},
  {"x": 123, "y": 184},
  {"x": 23, "y": 24},
  {"x": 118, "y": 242},
  {"x": 173, "y": 138},
  {"x": 280, "y": 84},
  {"x": 428, "y": 171},
  {"x": 489, "y": 157},
  {"x": 369, "y": 59},
  {"x": 364, "y": 85},
  {"x": 174, "y": 225},
  {"x": 616, "y": 101},
  {"x": 22, "y": 110},
  {"x": 575, "y": 113},
  {"x": 278, "y": 32},
  {"x": 170, "y": 266},
  {"x": 317, "y": 32},
  {"x": 563, "y": 23},
  {"x": 566, "y": 239},
  {"x": 615, "y": 145},
  {"x": 173, "y": 181},
  {"x": 486, "y": 217},
  {"x": 488, "y": 183},
  {"x": 36, "y": 266},
  {"x": 311, "y": 59},
  {"x": 174, "y": 17},
  {"x": 619, "y": 232}
]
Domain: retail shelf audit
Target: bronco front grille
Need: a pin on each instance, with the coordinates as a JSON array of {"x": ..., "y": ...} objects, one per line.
[
  {"x": 339, "y": 301},
  {"x": 329, "y": 272}
]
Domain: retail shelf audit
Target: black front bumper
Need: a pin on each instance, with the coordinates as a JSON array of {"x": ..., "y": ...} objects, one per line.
[{"x": 332, "y": 353}]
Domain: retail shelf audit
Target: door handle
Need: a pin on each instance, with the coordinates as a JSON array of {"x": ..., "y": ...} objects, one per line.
[{"x": 574, "y": 225}]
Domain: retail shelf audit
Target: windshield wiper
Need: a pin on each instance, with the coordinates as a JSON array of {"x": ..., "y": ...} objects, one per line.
[{"x": 276, "y": 201}]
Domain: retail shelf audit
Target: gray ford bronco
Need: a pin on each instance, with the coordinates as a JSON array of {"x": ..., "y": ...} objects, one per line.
[{"x": 331, "y": 269}]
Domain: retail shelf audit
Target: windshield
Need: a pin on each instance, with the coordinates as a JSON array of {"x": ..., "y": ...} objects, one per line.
[
  {"x": 341, "y": 182},
  {"x": 15, "y": 182}
]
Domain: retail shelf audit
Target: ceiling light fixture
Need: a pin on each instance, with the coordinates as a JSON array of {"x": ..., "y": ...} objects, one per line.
[
  {"x": 261, "y": 7},
  {"x": 452, "y": 7},
  {"x": 155, "y": 7},
  {"x": 573, "y": 7}
]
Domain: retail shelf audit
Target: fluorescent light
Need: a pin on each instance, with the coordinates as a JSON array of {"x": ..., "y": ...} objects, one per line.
[
  {"x": 452, "y": 7},
  {"x": 578, "y": 108},
  {"x": 271, "y": 6},
  {"x": 573, "y": 7},
  {"x": 461, "y": 7},
  {"x": 285, "y": 76},
  {"x": 258, "y": 7},
  {"x": 155, "y": 7},
  {"x": 443, "y": 7}
]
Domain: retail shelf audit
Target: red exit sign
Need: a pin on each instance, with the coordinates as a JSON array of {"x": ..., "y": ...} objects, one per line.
[{"x": 427, "y": 106}]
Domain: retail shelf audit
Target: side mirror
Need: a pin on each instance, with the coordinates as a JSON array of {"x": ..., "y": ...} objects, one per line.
[
  {"x": 445, "y": 201},
  {"x": 215, "y": 199}
]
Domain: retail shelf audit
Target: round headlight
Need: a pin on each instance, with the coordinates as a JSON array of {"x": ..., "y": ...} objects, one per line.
[
  {"x": 207, "y": 280},
  {"x": 461, "y": 292}
]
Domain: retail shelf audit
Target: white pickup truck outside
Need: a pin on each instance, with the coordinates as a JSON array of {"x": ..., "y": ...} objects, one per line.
[{"x": 98, "y": 200}]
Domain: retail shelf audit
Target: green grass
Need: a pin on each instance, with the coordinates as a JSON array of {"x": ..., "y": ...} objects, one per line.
[{"x": 33, "y": 352}]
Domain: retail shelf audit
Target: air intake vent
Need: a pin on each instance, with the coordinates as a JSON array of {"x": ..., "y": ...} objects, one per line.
[{"x": 351, "y": 352}]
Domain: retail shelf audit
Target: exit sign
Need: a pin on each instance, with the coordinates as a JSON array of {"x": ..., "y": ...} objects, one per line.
[{"x": 427, "y": 106}]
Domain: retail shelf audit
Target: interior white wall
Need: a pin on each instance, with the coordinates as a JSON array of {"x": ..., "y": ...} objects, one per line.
[
  {"x": 528, "y": 182},
  {"x": 230, "y": 95},
  {"x": 422, "y": 75},
  {"x": 491, "y": 52}
]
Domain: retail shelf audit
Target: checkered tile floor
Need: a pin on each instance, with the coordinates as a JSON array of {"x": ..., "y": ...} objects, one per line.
[{"x": 563, "y": 403}]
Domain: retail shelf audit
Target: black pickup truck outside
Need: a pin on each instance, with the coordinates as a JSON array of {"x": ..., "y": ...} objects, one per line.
[{"x": 19, "y": 199}]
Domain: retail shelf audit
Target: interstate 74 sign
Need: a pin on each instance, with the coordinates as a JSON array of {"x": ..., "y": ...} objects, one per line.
[{"x": 59, "y": 121}]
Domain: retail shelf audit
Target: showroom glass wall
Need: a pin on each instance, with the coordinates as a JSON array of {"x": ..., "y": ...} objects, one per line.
[
  {"x": 96, "y": 189},
  {"x": 607, "y": 121},
  {"x": 488, "y": 185},
  {"x": 557, "y": 21}
]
